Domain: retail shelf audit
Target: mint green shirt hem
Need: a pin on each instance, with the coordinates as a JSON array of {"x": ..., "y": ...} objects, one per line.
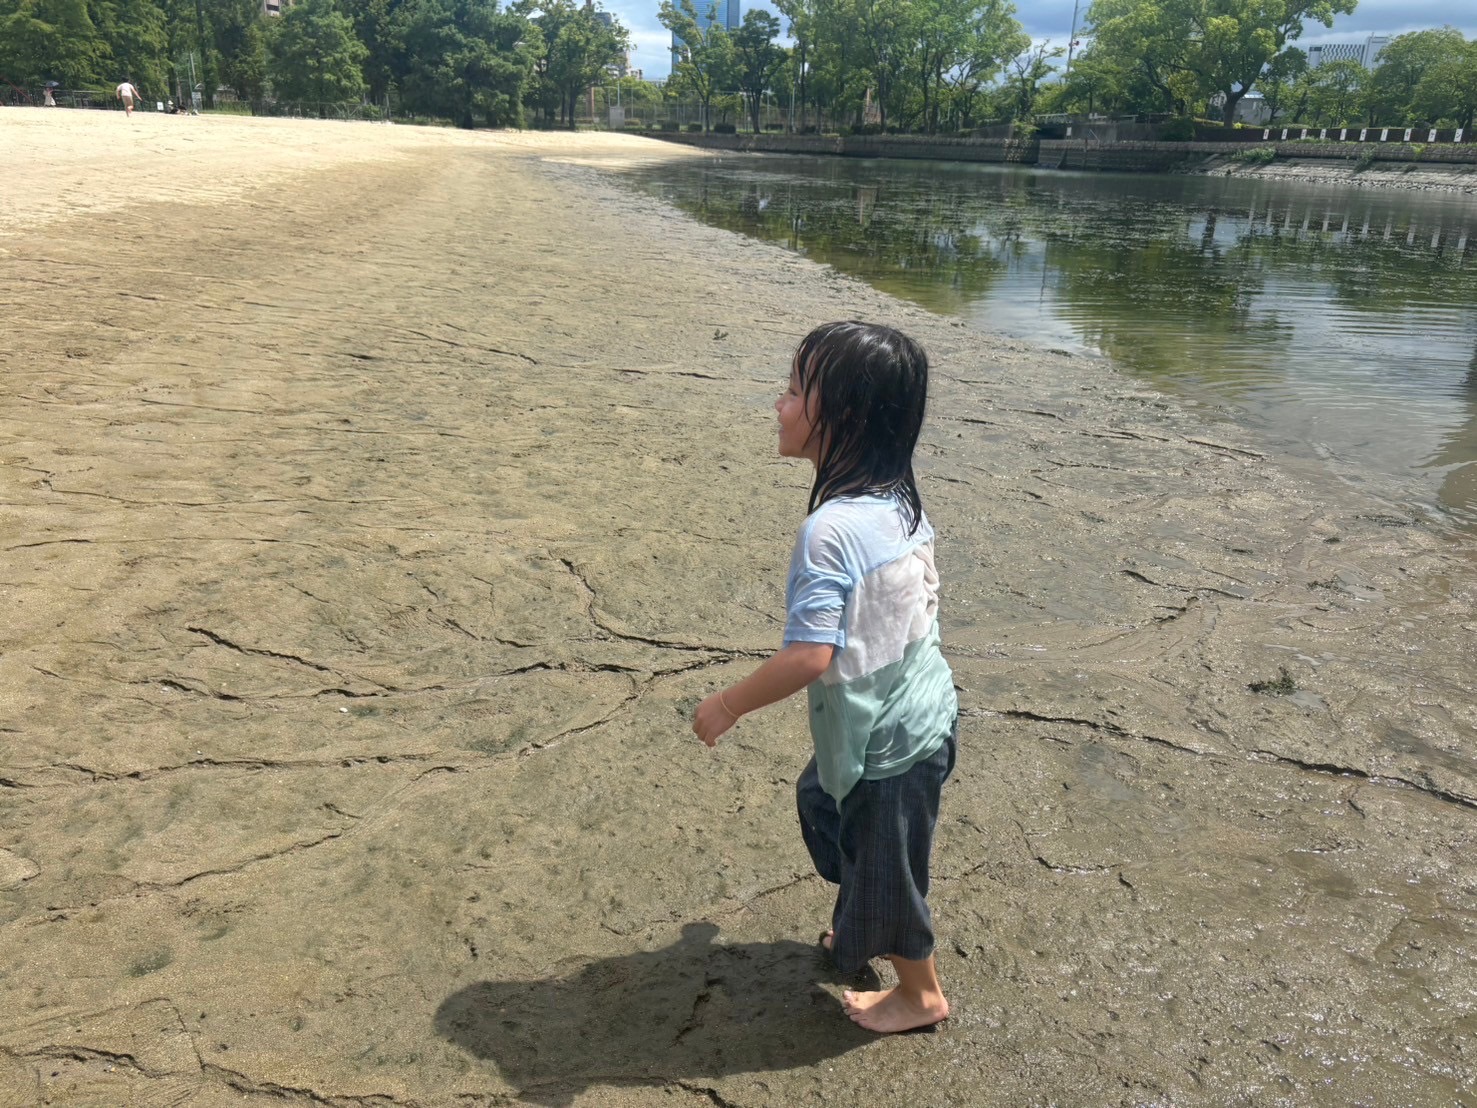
[{"x": 883, "y": 723}]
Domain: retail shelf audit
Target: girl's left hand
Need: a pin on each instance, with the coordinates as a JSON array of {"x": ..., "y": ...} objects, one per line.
[{"x": 711, "y": 719}]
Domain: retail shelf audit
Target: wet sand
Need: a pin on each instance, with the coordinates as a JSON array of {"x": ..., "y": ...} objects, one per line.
[{"x": 378, "y": 504}]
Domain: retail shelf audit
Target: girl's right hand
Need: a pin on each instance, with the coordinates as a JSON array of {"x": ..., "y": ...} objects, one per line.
[{"x": 712, "y": 719}]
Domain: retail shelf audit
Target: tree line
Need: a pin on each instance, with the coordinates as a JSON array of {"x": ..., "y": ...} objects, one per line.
[
  {"x": 910, "y": 65},
  {"x": 931, "y": 65},
  {"x": 470, "y": 61},
  {"x": 918, "y": 64},
  {"x": 1198, "y": 56},
  {"x": 1425, "y": 78}
]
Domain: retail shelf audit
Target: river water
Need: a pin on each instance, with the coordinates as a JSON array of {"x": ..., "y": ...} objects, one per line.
[{"x": 1339, "y": 322}]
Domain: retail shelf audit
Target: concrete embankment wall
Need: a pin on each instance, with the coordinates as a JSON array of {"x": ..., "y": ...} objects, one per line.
[
  {"x": 1160, "y": 157},
  {"x": 1403, "y": 165},
  {"x": 929, "y": 147}
]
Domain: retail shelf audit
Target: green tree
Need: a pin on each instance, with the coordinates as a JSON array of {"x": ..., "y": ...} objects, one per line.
[
  {"x": 1137, "y": 50},
  {"x": 241, "y": 46},
  {"x": 465, "y": 58},
  {"x": 983, "y": 37},
  {"x": 542, "y": 93},
  {"x": 315, "y": 55},
  {"x": 1448, "y": 90},
  {"x": 1096, "y": 83},
  {"x": 580, "y": 45},
  {"x": 727, "y": 107},
  {"x": 135, "y": 44},
  {"x": 1335, "y": 92},
  {"x": 703, "y": 62},
  {"x": 1023, "y": 77},
  {"x": 1404, "y": 63},
  {"x": 756, "y": 57},
  {"x": 839, "y": 77},
  {"x": 1190, "y": 49},
  {"x": 888, "y": 35},
  {"x": 380, "y": 25},
  {"x": 638, "y": 96},
  {"x": 922, "y": 60},
  {"x": 801, "y": 14},
  {"x": 1279, "y": 84},
  {"x": 49, "y": 40}
]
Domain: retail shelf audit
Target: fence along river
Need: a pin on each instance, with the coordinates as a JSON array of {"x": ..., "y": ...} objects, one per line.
[{"x": 1340, "y": 322}]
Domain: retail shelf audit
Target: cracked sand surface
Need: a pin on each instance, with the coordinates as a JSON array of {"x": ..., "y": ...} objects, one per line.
[{"x": 374, "y": 516}]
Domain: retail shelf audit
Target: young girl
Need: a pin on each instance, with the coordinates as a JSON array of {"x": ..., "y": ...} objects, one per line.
[{"x": 861, "y": 636}]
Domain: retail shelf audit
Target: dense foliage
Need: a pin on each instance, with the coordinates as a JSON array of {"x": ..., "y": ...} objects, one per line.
[
  {"x": 938, "y": 65},
  {"x": 74, "y": 41},
  {"x": 578, "y": 46},
  {"x": 1194, "y": 56},
  {"x": 316, "y": 55},
  {"x": 1424, "y": 78},
  {"x": 914, "y": 64},
  {"x": 471, "y": 61},
  {"x": 911, "y": 65},
  {"x": 1171, "y": 55}
]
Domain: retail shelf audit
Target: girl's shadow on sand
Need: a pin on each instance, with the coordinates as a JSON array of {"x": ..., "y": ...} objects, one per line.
[{"x": 693, "y": 1009}]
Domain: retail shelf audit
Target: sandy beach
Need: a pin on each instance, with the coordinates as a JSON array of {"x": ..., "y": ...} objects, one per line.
[{"x": 379, "y": 502}]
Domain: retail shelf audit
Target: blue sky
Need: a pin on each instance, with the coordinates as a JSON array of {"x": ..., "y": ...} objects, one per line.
[{"x": 1053, "y": 19}]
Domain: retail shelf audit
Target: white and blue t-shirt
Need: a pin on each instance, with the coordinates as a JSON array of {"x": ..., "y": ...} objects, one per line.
[{"x": 859, "y": 581}]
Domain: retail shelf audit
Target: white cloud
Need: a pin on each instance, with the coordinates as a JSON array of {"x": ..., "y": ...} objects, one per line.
[
  {"x": 651, "y": 50},
  {"x": 652, "y": 41}
]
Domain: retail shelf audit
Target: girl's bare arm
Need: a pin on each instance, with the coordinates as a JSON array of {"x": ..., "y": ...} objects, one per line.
[{"x": 784, "y": 674}]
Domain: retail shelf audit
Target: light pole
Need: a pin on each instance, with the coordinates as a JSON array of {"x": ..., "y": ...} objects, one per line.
[{"x": 1072, "y": 40}]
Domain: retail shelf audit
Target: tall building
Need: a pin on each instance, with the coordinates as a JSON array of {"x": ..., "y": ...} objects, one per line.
[
  {"x": 725, "y": 13},
  {"x": 600, "y": 13},
  {"x": 1366, "y": 53}
]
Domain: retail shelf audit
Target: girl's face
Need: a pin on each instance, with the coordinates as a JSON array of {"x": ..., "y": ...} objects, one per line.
[{"x": 797, "y": 422}]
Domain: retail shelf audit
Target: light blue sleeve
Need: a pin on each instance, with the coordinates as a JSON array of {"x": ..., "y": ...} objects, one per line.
[{"x": 818, "y": 585}]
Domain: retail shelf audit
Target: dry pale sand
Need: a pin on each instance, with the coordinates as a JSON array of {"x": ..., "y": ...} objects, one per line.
[{"x": 378, "y": 503}]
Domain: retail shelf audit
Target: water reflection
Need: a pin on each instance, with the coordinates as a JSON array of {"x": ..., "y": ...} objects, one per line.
[
  {"x": 1454, "y": 456},
  {"x": 1338, "y": 320}
]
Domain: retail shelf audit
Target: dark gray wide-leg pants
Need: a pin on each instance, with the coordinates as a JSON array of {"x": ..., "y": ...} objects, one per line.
[{"x": 876, "y": 847}]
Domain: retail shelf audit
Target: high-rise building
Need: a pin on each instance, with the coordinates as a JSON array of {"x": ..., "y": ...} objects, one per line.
[
  {"x": 1366, "y": 53},
  {"x": 724, "y": 13},
  {"x": 600, "y": 13},
  {"x": 623, "y": 67}
]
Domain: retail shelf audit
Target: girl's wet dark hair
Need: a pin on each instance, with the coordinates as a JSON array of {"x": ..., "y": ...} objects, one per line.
[{"x": 871, "y": 383}]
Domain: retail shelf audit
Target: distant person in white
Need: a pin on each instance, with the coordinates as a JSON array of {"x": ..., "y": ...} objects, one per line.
[{"x": 128, "y": 94}]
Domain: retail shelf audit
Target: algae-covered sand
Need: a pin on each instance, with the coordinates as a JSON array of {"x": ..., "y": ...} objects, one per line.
[{"x": 378, "y": 503}]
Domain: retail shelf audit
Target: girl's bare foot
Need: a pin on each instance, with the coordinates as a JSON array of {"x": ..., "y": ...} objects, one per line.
[
  {"x": 826, "y": 936},
  {"x": 916, "y": 1000},
  {"x": 891, "y": 1011}
]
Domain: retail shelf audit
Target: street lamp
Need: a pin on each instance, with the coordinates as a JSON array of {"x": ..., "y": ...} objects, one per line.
[{"x": 1072, "y": 40}]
